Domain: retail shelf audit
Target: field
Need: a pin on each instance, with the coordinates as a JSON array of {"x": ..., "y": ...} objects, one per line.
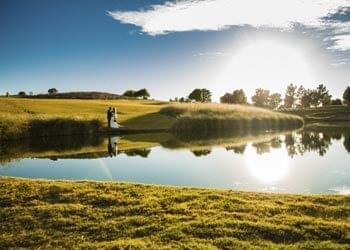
[
  {"x": 62, "y": 214},
  {"x": 24, "y": 117},
  {"x": 324, "y": 114}
]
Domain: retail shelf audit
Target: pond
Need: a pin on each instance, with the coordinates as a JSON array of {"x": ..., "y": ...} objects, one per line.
[{"x": 303, "y": 161}]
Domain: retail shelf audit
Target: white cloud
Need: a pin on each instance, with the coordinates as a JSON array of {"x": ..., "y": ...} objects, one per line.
[{"x": 190, "y": 15}]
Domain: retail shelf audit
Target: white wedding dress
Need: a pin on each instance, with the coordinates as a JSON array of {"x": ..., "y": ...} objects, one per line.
[{"x": 113, "y": 121}]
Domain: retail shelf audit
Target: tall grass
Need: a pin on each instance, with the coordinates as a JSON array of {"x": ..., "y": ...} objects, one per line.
[{"x": 206, "y": 117}]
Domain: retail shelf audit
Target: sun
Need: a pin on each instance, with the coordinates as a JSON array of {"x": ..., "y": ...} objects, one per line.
[{"x": 268, "y": 63}]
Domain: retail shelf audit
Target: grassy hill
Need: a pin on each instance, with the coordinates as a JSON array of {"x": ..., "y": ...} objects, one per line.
[
  {"x": 24, "y": 117},
  {"x": 108, "y": 215},
  {"x": 324, "y": 114}
]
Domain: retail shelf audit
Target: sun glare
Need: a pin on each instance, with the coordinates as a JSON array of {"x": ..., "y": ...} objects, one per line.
[
  {"x": 268, "y": 63},
  {"x": 267, "y": 168}
]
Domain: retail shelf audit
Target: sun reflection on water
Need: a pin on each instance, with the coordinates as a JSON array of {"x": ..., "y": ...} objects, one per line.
[{"x": 267, "y": 167}]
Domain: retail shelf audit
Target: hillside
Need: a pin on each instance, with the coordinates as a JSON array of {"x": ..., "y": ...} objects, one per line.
[
  {"x": 81, "y": 95},
  {"x": 324, "y": 114}
]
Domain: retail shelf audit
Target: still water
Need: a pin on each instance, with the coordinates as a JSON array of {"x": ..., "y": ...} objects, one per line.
[{"x": 306, "y": 161}]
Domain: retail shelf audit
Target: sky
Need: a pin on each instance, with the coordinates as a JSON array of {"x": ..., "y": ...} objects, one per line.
[{"x": 172, "y": 47}]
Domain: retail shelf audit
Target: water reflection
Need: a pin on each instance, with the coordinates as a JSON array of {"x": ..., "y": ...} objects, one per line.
[{"x": 309, "y": 160}]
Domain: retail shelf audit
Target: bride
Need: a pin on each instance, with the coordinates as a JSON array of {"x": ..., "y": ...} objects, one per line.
[{"x": 113, "y": 120}]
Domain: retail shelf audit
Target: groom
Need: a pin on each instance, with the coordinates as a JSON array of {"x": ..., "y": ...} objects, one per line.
[{"x": 109, "y": 116}]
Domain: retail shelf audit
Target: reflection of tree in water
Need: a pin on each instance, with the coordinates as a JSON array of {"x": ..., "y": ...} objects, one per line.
[
  {"x": 199, "y": 153},
  {"x": 144, "y": 152},
  {"x": 237, "y": 149},
  {"x": 347, "y": 141},
  {"x": 264, "y": 147}
]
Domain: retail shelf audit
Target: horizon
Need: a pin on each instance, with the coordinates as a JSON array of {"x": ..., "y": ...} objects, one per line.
[{"x": 171, "y": 47}]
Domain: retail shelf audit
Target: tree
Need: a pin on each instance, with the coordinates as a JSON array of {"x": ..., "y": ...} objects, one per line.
[
  {"x": 322, "y": 95},
  {"x": 336, "y": 102},
  {"x": 237, "y": 97},
  {"x": 142, "y": 93},
  {"x": 52, "y": 91},
  {"x": 226, "y": 98},
  {"x": 290, "y": 96},
  {"x": 274, "y": 100},
  {"x": 182, "y": 99},
  {"x": 22, "y": 93},
  {"x": 304, "y": 97},
  {"x": 129, "y": 93},
  {"x": 261, "y": 97},
  {"x": 7, "y": 94},
  {"x": 346, "y": 96},
  {"x": 200, "y": 95}
]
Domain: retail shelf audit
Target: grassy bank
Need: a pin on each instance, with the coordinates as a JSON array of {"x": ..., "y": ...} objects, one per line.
[
  {"x": 206, "y": 117},
  {"x": 51, "y": 214},
  {"x": 21, "y": 117},
  {"x": 324, "y": 114}
]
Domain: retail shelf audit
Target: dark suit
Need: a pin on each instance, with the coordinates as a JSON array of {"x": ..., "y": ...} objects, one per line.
[{"x": 109, "y": 116}]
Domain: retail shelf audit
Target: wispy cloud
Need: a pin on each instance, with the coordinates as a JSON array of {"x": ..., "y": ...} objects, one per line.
[{"x": 203, "y": 15}]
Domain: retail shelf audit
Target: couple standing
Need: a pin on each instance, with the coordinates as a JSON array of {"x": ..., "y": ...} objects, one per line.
[{"x": 112, "y": 118}]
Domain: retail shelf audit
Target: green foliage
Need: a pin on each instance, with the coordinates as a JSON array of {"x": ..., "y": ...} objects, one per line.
[
  {"x": 200, "y": 95},
  {"x": 261, "y": 98},
  {"x": 336, "y": 102},
  {"x": 346, "y": 96},
  {"x": 290, "y": 96},
  {"x": 22, "y": 93},
  {"x": 274, "y": 100},
  {"x": 237, "y": 97},
  {"x": 108, "y": 215},
  {"x": 52, "y": 91},
  {"x": 142, "y": 93}
]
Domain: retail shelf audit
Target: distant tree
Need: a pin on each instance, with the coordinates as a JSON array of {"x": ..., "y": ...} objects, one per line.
[
  {"x": 336, "y": 102},
  {"x": 304, "y": 97},
  {"x": 7, "y": 94},
  {"x": 31, "y": 93},
  {"x": 346, "y": 96},
  {"x": 129, "y": 93},
  {"x": 200, "y": 95},
  {"x": 274, "y": 100},
  {"x": 322, "y": 95},
  {"x": 52, "y": 91},
  {"x": 237, "y": 97},
  {"x": 182, "y": 99},
  {"x": 143, "y": 93},
  {"x": 290, "y": 96},
  {"x": 22, "y": 93},
  {"x": 226, "y": 98},
  {"x": 261, "y": 97}
]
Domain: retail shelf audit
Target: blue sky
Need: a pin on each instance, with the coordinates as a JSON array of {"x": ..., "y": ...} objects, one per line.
[{"x": 172, "y": 47}]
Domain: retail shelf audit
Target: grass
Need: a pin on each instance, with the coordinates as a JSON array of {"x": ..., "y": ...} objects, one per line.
[
  {"x": 109, "y": 215},
  {"x": 324, "y": 114},
  {"x": 22, "y": 117},
  {"x": 207, "y": 117},
  {"x": 25, "y": 117}
]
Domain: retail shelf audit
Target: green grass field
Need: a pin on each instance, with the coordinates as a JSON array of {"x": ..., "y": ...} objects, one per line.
[
  {"x": 18, "y": 115},
  {"x": 39, "y": 214},
  {"x": 324, "y": 114},
  {"x": 25, "y": 117}
]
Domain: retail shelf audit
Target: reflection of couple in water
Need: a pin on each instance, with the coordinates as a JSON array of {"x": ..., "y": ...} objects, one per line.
[
  {"x": 112, "y": 145},
  {"x": 112, "y": 118}
]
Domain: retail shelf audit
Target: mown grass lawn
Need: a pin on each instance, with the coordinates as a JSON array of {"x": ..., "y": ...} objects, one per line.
[{"x": 95, "y": 215}]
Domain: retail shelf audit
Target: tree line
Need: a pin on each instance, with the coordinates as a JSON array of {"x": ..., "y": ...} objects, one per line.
[{"x": 294, "y": 97}]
